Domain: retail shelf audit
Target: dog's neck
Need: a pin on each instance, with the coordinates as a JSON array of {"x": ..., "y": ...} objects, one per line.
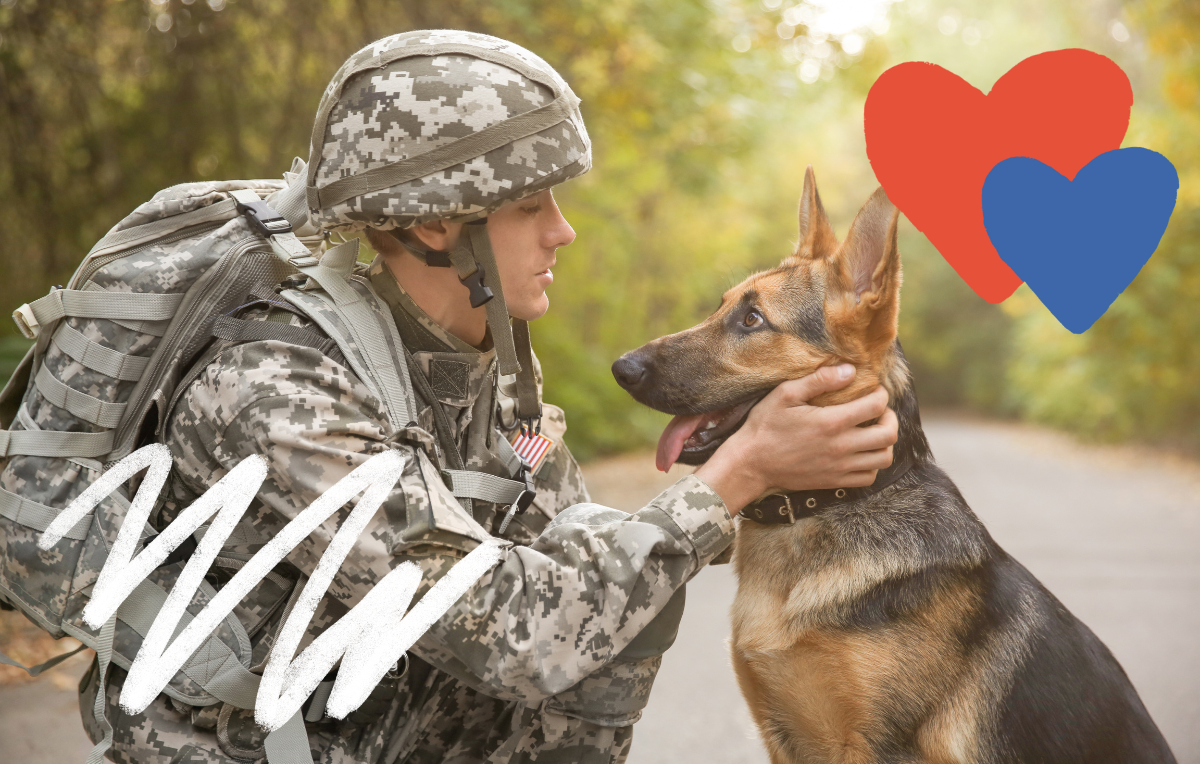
[
  {"x": 911, "y": 450},
  {"x": 897, "y": 380}
]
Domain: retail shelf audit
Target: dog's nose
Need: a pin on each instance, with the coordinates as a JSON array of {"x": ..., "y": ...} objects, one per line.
[{"x": 629, "y": 371}]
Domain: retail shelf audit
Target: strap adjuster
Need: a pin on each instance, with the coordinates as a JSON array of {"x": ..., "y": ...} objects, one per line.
[
  {"x": 523, "y": 500},
  {"x": 529, "y": 494},
  {"x": 263, "y": 218}
]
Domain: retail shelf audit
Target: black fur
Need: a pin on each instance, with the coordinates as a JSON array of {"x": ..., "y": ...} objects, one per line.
[
  {"x": 1048, "y": 692},
  {"x": 807, "y": 320},
  {"x": 1066, "y": 700}
]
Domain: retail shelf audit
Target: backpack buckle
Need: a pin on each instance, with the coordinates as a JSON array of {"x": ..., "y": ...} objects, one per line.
[
  {"x": 523, "y": 500},
  {"x": 263, "y": 218}
]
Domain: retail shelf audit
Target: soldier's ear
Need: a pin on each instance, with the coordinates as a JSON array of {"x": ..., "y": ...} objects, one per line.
[{"x": 439, "y": 235}]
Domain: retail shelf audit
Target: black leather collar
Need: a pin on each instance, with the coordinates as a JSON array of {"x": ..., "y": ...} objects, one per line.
[{"x": 787, "y": 508}]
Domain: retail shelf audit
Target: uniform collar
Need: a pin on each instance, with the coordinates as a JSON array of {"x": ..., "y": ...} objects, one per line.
[
  {"x": 418, "y": 331},
  {"x": 458, "y": 372}
]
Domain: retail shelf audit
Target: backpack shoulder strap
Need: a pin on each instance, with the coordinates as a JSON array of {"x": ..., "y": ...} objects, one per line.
[
  {"x": 348, "y": 310},
  {"x": 354, "y": 317},
  {"x": 242, "y": 330}
]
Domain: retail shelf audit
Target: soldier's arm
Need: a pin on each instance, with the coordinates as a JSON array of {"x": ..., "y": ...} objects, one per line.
[
  {"x": 548, "y": 615},
  {"x": 558, "y": 609}
]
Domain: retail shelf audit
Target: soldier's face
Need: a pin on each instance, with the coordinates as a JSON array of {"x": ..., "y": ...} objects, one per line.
[{"x": 524, "y": 236}]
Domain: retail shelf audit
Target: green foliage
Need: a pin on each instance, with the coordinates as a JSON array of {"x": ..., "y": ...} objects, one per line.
[
  {"x": 1136, "y": 372},
  {"x": 699, "y": 158},
  {"x": 957, "y": 345}
]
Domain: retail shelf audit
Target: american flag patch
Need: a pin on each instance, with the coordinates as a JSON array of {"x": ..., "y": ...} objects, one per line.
[{"x": 532, "y": 447}]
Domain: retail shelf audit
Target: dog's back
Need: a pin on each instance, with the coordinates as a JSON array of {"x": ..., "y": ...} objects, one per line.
[
  {"x": 1068, "y": 700},
  {"x": 895, "y": 629}
]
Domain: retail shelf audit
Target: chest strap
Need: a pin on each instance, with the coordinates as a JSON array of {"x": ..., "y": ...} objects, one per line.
[{"x": 787, "y": 508}]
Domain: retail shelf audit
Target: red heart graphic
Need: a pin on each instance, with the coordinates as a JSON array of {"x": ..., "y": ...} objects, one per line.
[{"x": 932, "y": 138}]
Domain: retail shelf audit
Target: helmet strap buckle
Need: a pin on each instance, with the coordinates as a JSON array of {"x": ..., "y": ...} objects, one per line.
[{"x": 480, "y": 292}]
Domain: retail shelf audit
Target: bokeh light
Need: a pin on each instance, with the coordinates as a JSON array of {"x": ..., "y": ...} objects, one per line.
[{"x": 822, "y": 36}]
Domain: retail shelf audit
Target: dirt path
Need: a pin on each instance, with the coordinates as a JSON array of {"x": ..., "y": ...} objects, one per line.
[{"x": 1113, "y": 532}]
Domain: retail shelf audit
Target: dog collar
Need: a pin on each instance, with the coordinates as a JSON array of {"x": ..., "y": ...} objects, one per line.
[{"x": 787, "y": 508}]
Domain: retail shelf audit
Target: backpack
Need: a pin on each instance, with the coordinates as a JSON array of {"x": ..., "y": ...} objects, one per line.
[
  {"x": 113, "y": 350},
  {"x": 110, "y": 349}
]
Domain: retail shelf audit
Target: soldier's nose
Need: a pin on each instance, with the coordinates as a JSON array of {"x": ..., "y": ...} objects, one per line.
[{"x": 630, "y": 371}]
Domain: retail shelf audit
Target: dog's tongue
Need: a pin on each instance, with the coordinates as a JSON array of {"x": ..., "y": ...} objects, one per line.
[{"x": 670, "y": 444}]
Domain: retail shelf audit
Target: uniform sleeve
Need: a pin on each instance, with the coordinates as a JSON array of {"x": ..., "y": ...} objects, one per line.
[{"x": 548, "y": 615}]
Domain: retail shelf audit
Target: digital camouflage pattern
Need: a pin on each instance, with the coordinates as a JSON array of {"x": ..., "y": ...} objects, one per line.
[
  {"x": 434, "y": 719},
  {"x": 77, "y": 354},
  {"x": 414, "y": 105},
  {"x": 550, "y": 657}
]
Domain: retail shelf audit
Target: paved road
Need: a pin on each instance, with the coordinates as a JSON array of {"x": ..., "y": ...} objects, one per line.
[{"x": 1114, "y": 533}]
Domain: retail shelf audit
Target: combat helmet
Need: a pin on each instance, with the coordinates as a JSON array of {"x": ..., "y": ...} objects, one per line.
[{"x": 444, "y": 124}]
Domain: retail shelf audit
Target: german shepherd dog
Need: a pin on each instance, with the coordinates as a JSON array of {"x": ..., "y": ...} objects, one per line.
[{"x": 880, "y": 624}]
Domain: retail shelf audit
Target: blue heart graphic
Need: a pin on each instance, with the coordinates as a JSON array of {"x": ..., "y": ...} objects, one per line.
[{"x": 1079, "y": 243}]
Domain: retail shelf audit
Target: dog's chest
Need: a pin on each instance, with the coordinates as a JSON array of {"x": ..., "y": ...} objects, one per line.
[
  {"x": 793, "y": 579},
  {"x": 773, "y": 576}
]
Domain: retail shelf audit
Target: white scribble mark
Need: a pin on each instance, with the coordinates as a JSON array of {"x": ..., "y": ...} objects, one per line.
[
  {"x": 369, "y": 639},
  {"x": 367, "y": 660}
]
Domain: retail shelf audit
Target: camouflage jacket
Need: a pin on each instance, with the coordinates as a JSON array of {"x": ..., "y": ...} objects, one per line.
[{"x": 567, "y": 598}]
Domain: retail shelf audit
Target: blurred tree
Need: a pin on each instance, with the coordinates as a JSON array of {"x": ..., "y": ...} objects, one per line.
[
  {"x": 1136, "y": 372},
  {"x": 103, "y": 103},
  {"x": 703, "y": 113}
]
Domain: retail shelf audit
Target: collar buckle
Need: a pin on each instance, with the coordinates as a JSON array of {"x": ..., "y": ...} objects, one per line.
[{"x": 787, "y": 510}]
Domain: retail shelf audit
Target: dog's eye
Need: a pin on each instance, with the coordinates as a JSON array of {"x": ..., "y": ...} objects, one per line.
[{"x": 753, "y": 320}]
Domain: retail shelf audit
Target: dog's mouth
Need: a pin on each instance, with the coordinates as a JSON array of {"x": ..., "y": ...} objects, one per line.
[{"x": 693, "y": 438}]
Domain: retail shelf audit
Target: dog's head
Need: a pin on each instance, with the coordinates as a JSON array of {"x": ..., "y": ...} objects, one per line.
[{"x": 826, "y": 304}]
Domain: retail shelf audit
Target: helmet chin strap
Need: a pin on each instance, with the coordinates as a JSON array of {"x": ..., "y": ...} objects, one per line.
[{"x": 475, "y": 263}]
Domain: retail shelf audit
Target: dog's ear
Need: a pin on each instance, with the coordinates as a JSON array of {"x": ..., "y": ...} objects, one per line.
[
  {"x": 816, "y": 235},
  {"x": 870, "y": 266}
]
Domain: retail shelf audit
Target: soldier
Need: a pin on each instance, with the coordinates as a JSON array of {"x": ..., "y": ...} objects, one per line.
[{"x": 550, "y": 657}]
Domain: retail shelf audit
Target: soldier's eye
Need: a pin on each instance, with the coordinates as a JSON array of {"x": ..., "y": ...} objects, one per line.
[
  {"x": 753, "y": 320},
  {"x": 532, "y": 209}
]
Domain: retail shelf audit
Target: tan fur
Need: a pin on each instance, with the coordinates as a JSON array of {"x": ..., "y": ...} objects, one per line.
[
  {"x": 814, "y": 689},
  {"x": 892, "y": 629},
  {"x": 862, "y": 326},
  {"x": 817, "y": 693}
]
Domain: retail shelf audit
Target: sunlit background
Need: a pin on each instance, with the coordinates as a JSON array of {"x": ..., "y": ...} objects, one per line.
[{"x": 703, "y": 114}]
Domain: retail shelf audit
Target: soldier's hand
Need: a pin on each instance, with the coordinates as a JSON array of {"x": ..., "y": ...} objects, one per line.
[{"x": 787, "y": 444}]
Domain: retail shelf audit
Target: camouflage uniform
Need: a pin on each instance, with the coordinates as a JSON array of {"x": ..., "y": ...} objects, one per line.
[{"x": 549, "y": 658}]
